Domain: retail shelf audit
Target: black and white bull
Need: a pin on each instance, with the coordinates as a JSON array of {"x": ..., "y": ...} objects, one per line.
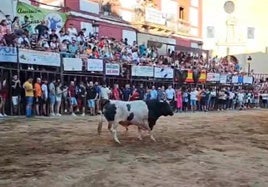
[{"x": 143, "y": 114}]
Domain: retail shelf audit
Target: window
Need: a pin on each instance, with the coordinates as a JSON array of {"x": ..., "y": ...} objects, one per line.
[
  {"x": 193, "y": 17},
  {"x": 88, "y": 6},
  {"x": 181, "y": 13},
  {"x": 210, "y": 32},
  {"x": 251, "y": 32}
]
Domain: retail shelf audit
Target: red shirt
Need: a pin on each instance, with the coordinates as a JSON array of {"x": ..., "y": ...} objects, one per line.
[
  {"x": 71, "y": 91},
  {"x": 116, "y": 94}
]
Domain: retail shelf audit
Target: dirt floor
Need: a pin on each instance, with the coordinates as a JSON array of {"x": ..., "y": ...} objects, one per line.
[{"x": 214, "y": 149}]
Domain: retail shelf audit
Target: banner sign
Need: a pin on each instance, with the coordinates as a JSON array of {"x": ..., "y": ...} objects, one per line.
[
  {"x": 8, "y": 54},
  {"x": 189, "y": 78},
  {"x": 203, "y": 77},
  {"x": 247, "y": 80},
  {"x": 112, "y": 69},
  {"x": 95, "y": 65},
  {"x": 39, "y": 58},
  {"x": 142, "y": 71},
  {"x": 237, "y": 79},
  {"x": 72, "y": 64},
  {"x": 166, "y": 72},
  {"x": 153, "y": 15},
  {"x": 213, "y": 77},
  {"x": 223, "y": 78},
  {"x": 54, "y": 19}
]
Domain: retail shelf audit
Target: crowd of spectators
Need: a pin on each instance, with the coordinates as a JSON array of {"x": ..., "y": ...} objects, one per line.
[
  {"x": 71, "y": 42},
  {"x": 51, "y": 98}
]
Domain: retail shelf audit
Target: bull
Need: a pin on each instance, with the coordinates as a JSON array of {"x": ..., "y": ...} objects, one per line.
[{"x": 143, "y": 114}]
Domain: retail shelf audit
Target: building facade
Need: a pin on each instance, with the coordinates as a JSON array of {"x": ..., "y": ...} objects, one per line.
[
  {"x": 235, "y": 26},
  {"x": 173, "y": 22}
]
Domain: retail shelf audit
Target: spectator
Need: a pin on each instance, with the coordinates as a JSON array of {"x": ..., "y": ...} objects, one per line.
[
  {"x": 9, "y": 39},
  {"x": 82, "y": 96},
  {"x": 104, "y": 92},
  {"x": 59, "y": 94},
  {"x": 193, "y": 99},
  {"x": 72, "y": 31},
  {"x": 52, "y": 97},
  {"x": 3, "y": 29},
  {"x": 72, "y": 94},
  {"x": 29, "y": 95},
  {"x": 41, "y": 29},
  {"x": 179, "y": 100},
  {"x": 153, "y": 93},
  {"x": 26, "y": 25},
  {"x": 9, "y": 22},
  {"x": 126, "y": 93},
  {"x": 16, "y": 93},
  {"x": 73, "y": 48},
  {"x": 141, "y": 91},
  {"x": 38, "y": 95},
  {"x": 116, "y": 92},
  {"x": 16, "y": 27},
  {"x": 54, "y": 45},
  {"x": 92, "y": 96},
  {"x": 53, "y": 35},
  {"x": 161, "y": 94},
  {"x": 23, "y": 41},
  {"x": 44, "y": 97}
]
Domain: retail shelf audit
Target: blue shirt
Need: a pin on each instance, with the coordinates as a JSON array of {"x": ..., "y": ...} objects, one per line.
[{"x": 153, "y": 94}]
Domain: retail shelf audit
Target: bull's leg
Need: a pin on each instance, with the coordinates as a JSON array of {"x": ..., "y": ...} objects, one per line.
[
  {"x": 149, "y": 126},
  {"x": 114, "y": 132},
  {"x": 151, "y": 136},
  {"x": 110, "y": 126},
  {"x": 100, "y": 124},
  {"x": 140, "y": 133}
]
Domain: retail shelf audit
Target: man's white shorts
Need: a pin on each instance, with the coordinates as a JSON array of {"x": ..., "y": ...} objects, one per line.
[{"x": 15, "y": 100}]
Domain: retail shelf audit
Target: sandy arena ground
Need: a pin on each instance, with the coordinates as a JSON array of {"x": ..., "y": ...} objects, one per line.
[{"x": 215, "y": 149}]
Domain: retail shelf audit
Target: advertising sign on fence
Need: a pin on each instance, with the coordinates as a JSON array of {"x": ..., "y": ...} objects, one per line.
[
  {"x": 142, "y": 71},
  {"x": 247, "y": 80},
  {"x": 237, "y": 79},
  {"x": 166, "y": 73},
  {"x": 203, "y": 76},
  {"x": 112, "y": 69},
  {"x": 95, "y": 65},
  {"x": 72, "y": 64},
  {"x": 213, "y": 77},
  {"x": 223, "y": 78},
  {"x": 39, "y": 58},
  {"x": 8, "y": 54}
]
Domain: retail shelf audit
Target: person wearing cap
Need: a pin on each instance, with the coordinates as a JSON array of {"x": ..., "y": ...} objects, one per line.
[{"x": 37, "y": 96}]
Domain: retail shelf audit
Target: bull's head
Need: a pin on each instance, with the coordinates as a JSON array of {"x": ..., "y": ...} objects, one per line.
[{"x": 165, "y": 108}]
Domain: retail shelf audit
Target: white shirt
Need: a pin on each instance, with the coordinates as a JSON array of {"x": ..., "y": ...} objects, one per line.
[
  {"x": 72, "y": 31},
  {"x": 104, "y": 92},
  {"x": 44, "y": 90},
  {"x": 231, "y": 95},
  {"x": 20, "y": 40},
  {"x": 240, "y": 97},
  {"x": 170, "y": 93},
  {"x": 193, "y": 95}
]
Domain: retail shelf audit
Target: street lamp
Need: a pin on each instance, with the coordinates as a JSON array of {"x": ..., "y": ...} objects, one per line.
[{"x": 249, "y": 59}]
